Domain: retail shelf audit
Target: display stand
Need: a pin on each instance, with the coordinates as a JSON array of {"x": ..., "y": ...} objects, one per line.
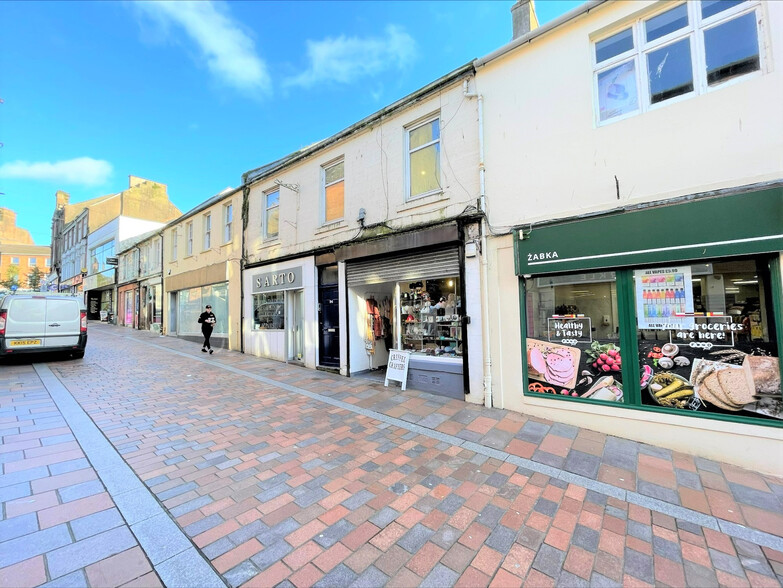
[{"x": 397, "y": 368}]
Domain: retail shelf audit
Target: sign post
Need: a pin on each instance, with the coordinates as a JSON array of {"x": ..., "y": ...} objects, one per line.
[{"x": 397, "y": 368}]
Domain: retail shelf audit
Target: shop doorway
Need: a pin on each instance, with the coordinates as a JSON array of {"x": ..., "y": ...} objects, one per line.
[
  {"x": 329, "y": 326},
  {"x": 296, "y": 329}
]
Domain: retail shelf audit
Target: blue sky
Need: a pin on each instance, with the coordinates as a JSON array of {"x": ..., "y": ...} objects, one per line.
[{"x": 194, "y": 94}]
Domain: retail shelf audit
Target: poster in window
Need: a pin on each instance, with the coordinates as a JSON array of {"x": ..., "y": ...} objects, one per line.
[
  {"x": 664, "y": 298},
  {"x": 617, "y": 93}
]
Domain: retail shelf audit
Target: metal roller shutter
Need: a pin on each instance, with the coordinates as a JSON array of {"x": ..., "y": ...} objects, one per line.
[{"x": 403, "y": 268}]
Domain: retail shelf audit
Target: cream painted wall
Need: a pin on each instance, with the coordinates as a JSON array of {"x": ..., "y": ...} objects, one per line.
[
  {"x": 229, "y": 252},
  {"x": 546, "y": 158},
  {"x": 749, "y": 446},
  {"x": 374, "y": 180}
]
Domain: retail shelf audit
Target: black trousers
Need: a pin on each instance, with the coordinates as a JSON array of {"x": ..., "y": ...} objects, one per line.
[{"x": 207, "y": 334}]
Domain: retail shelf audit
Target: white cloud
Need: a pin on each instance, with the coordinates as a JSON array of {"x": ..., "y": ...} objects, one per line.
[
  {"x": 229, "y": 52},
  {"x": 346, "y": 59},
  {"x": 82, "y": 170}
]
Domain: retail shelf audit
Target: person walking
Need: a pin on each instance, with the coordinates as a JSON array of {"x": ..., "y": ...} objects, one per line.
[{"x": 207, "y": 320}]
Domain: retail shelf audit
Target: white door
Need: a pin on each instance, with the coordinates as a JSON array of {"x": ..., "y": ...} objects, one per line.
[
  {"x": 63, "y": 322},
  {"x": 296, "y": 326}
]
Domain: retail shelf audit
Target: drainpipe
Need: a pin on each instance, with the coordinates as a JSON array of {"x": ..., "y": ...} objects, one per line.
[{"x": 482, "y": 206}]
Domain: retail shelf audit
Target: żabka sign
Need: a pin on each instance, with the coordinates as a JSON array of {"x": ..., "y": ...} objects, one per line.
[{"x": 287, "y": 279}]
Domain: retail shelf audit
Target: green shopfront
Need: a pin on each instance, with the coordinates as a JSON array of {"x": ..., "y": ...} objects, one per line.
[{"x": 673, "y": 310}]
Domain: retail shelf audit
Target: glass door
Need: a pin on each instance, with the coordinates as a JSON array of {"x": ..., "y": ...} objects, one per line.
[{"x": 296, "y": 329}]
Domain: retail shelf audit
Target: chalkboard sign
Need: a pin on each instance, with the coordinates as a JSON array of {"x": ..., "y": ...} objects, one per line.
[{"x": 397, "y": 368}]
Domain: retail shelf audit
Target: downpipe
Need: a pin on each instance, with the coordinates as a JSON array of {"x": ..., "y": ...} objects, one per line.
[{"x": 484, "y": 266}]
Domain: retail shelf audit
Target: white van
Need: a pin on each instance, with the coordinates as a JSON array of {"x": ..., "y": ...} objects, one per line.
[{"x": 39, "y": 322}]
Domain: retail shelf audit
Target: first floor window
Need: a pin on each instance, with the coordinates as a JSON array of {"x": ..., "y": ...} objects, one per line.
[
  {"x": 334, "y": 192},
  {"x": 207, "y": 231},
  {"x": 228, "y": 222},
  {"x": 269, "y": 311},
  {"x": 31, "y": 261},
  {"x": 423, "y": 158},
  {"x": 189, "y": 238},
  {"x": 685, "y": 49},
  {"x": 174, "y": 237},
  {"x": 272, "y": 214}
]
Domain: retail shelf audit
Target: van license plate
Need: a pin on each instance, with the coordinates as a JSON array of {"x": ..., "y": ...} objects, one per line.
[{"x": 25, "y": 342}]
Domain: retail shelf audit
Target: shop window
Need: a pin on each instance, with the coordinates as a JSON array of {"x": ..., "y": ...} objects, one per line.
[
  {"x": 706, "y": 336},
  {"x": 334, "y": 192},
  {"x": 423, "y": 158},
  {"x": 191, "y": 304},
  {"x": 269, "y": 311},
  {"x": 685, "y": 49},
  {"x": 573, "y": 337},
  {"x": 271, "y": 214},
  {"x": 431, "y": 317}
]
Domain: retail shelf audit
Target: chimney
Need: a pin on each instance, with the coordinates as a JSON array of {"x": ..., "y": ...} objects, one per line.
[
  {"x": 523, "y": 18},
  {"x": 62, "y": 198}
]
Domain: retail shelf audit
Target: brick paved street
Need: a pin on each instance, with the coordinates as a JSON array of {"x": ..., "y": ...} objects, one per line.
[{"x": 276, "y": 474}]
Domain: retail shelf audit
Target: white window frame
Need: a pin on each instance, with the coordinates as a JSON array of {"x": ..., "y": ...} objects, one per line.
[
  {"x": 14, "y": 261},
  {"x": 409, "y": 152},
  {"x": 228, "y": 222},
  {"x": 174, "y": 238},
  {"x": 267, "y": 208},
  {"x": 31, "y": 261},
  {"x": 207, "y": 226},
  {"x": 189, "y": 239},
  {"x": 324, "y": 186},
  {"x": 694, "y": 31}
]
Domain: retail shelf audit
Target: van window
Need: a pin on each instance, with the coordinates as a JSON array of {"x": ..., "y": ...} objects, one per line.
[
  {"x": 27, "y": 310},
  {"x": 61, "y": 310}
]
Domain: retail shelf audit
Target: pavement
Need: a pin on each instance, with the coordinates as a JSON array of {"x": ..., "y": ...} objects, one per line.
[{"x": 148, "y": 463}]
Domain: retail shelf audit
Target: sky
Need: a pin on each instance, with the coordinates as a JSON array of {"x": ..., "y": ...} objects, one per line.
[{"x": 194, "y": 94}]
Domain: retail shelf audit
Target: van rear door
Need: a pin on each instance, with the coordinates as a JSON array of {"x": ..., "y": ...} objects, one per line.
[
  {"x": 25, "y": 322},
  {"x": 62, "y": 322}
]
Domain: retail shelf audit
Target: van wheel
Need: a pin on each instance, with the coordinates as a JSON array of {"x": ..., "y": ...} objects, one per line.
[{"x": 78, "y": 354}]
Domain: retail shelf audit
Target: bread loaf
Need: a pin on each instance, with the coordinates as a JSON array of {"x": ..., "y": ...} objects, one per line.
[
  {"x": 711, "y": 391},
  {"x": 737, "y": 384},
  {"x": 765, "y": 372}
]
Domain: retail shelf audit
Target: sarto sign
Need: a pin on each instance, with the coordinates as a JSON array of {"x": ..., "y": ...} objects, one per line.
[{"x": 287, "y": 279}]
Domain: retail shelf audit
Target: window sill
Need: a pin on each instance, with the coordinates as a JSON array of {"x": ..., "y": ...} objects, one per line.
[
  {"x": 425, "y": 200},
  {"x": 333, "y": 226},
  {"x": 270, "y": 243}
]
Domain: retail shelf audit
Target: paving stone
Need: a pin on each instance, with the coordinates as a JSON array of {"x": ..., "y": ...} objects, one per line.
[
  {"x": 358, "y": 499},
  {"x": 77, "y": 555},
  {"x": 639, "y": 530},
  {"x": 727, "y": 563},
  {"x": 77, "y": 491},
  {"x": 137, "y": 505},
  {"x": 549, "y": 459},
  {"x": 160, "y": 538},
  {"x": 688, "y": 479},
  {"x": 440, "y": 576},
  {"x": 271, "y": 554},
  {"x": 696, "y": 575},
  {"x": 385, "y": 516},
  {"x": 532, "y": 432},
  {"x": 372, "y": 577},
  {"x": 549, "y": 560},
  {"x": 533, "y": 538},
  {"x": 274, "y": 534},
  {"x": 659, "y": 492},
  {"x": 156, "y": 480},
  {"x": 583, "y": 464},
  {"x": 32, "y": 544},
  {"x": 334, "y": 533},
  {"x": 310, "y": 497},
  {"x": 688, "y": 526},
  {"x": 18, "y": 526},
  {"x": 96, "y": 523},
  {"x": 415, "y": 538},
  {"x": 246, "y": 532},
  {"x": 188, "y": 569},
  {"x": 563, "y": 430},
  {"x": 445, "y": 537},
  {"x": 596, "y": 497},
  {"x": 546, "y": 507},
  {"x": 765, "y": 500},
  {"x": 659, "y": 452},
  {"x": 572, "y": 581},
  {"x": 28, "y": 475},
  {"x": 339, "y": 577},
  {"x": 639, "y": 565},
  {"x": 203, "y": 525},
  {"x": 177, "y": 490},
  {"x": 240, "y": 574},
  {"x": 191, "y": 505},
  {"x": 451, "y": 504},
  {"x": 501, "y": 538},
  {"x": 616, "y": 512},
  {"x": 218, "y": 548},
  {"x": 69, "y": 466},
  {"x": 707, "y": 465},
  {"x": 75, "y": 579},
  {"x": 599, "y": 581},
  {"x": 16, "y": 491},
  {"x": 667, "y": 549}
]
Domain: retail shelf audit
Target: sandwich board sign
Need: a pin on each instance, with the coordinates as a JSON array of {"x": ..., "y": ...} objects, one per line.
[{"x": 397, "y": 367}]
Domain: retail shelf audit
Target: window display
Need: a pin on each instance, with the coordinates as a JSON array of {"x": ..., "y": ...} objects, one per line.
[
  {"x": 430, "y": 317},
  {"x": 573, "y": 337},
  {"x": 191, "y": 304},
  {"x": 717, "y": 352},
  {"x": 269, "y": 310}
]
